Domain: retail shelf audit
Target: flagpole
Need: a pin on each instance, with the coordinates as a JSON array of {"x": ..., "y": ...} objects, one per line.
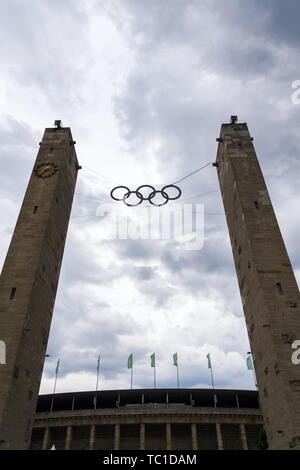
[
  {"x": 255, "y": 381},
  {"x": 130, "y": 366},
  {"x": 212, "y": 378},
  {"x": 54, "y": 388},
  {"x": 213, "y": 386},
  {"x": 97, "y": 381},
  {"x": 153, "y": 364},
  {"x": 175, "y": 363}
]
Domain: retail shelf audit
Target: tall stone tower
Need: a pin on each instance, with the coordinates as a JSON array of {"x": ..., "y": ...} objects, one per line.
[
  {"x": 268, "y": 288},
  {"x": 29, "y": 282}
]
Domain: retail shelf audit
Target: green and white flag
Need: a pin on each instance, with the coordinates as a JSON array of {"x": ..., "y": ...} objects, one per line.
[
  {"x": 249, "y": 363},
  {"x": 208, "y": 359},
  {"x": 152, "y": 357},
  {"x": 129, "y": 362},
  {"x": 57, "y": 367},
  {"x": 54, "y": 388},
  {"x": 175, "y": 362}
]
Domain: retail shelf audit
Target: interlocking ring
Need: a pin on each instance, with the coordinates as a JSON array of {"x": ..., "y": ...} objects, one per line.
[
  {"x": 145, "y": 186},
  {"x": 149, "y": 198},
  {"x": 126, "y": 196},
  {"x": 165, "y": 195},
  {"x": 118, "y": 187},
  {"x": 172, "y": 186}
]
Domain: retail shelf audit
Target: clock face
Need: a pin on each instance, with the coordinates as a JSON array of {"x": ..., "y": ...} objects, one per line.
[{"x": 46, "y": 169}]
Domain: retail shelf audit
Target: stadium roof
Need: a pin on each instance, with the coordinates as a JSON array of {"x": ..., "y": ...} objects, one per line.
[{"x": 149, "y": 397}]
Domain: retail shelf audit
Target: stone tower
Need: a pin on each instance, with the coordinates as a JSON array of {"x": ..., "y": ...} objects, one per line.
[
  {"x": 29, "y": 280},
  {"x": 268, "y": 288}
]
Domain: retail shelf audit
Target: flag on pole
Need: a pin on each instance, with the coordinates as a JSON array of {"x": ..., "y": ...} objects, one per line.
[
  {"x": 208, "y": 359},
  {"x": 54, "y": 388},
  {"x": 57, "y": 367},
  {"x": 152, "y": 357},
  {"x": 175, "y": 362},
  {"x": 97, "y": 381},
  {"x": 249, "y": 363},
  {"x": 129, "y": 362}
]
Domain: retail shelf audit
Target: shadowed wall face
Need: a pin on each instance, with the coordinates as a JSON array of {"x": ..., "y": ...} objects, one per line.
[
  {"x": 29, "y": 280},
  {"x": 268, "y": 288}
]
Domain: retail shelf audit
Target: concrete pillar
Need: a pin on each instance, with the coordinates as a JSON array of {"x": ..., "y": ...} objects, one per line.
[
  {"x": 219, "y": 436},
  {"x": 243, "y": 437},
  {"x": 46, "y": 438},
  {"x": 92, "y": 436},
  {"x": 194, "y": 436},
  {"x": 168, "y": 436},
  {"x": 68, "y": 438},
  {"x": 142, "y": 437},
  {"x": 117, "y": 436}
]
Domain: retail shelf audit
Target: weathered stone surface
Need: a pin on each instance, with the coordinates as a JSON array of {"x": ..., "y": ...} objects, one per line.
[
  {"x": 268, "y": 288},
  {"x": 28, "y": 285}
]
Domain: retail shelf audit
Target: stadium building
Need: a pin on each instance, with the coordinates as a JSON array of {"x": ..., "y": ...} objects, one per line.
[
  {"x": 150, "y": 419},
  {"x": 154, "y": 419}
]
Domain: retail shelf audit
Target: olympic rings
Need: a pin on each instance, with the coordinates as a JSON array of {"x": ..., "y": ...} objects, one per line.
[
  {"x": 172, "y": 186},
  {"x": 165, "y": 195},
  {"x": 145, "y": 186},
  {"x": 117, "y": 187},
  {"x": 149, "y": 198},
  {"x": 126, "y": 196}
]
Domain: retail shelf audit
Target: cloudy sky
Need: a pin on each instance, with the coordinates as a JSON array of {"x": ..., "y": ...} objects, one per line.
[{"x": 145, "y": 86}]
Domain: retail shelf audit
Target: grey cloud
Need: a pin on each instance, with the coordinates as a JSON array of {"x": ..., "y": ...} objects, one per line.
[
  {"x": 194, "y": 64},
  {"x": 40, "y": 56},
  {"x": 282, "y": 20},
  {"x": 17, "y": 148},
  {"x": 81, "y": 266},
  {"x": 135, "y": 249},
  {"x": 145, "y": 273},
  {"x": 79, "y": 335}
]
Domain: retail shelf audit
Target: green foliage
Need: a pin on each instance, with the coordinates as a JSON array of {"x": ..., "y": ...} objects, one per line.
[{"x": 262, "y": 440}]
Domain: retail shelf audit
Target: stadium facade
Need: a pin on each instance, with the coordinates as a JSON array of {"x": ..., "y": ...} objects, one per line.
[{"x": 154, "y": 419}]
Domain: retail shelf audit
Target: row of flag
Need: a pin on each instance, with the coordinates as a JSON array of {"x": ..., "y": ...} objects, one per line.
[
  {"x": 175, "y": 361},
  {"x": 249, "y": 365}
]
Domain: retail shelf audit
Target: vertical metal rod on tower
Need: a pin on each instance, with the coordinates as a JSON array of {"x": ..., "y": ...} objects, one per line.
[
  {"x": 54, "y": 388},
  {"x": 97, "y": 381},
  {"x": 175, "y": 363},
  {"x": 212, "y": 378},
  {"x": 153, "y": 364}
]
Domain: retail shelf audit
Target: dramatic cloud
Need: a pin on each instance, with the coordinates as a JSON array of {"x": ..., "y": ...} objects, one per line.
[{"x": 145, "y": 86}]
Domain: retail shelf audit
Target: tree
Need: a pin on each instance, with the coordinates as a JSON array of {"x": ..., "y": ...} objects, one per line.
[{"x": 262, "y": 440}]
